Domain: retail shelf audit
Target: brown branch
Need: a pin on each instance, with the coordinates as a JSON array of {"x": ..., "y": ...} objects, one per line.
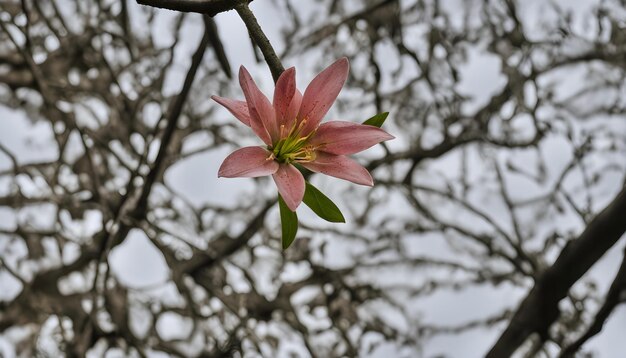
[
  {"x": 257, "y": 34},
  {"x": 207, "y": 7},
  {"x": 540, "y": 307},
  {"x": 612, "y": 300},
  {"x": 218, "y": 46},
  {"x": 138, "y": 212},
  {"x": 214, "y": 7},
  {"x": 325, "y": 31},
  {"x": 225, "y": 246},
  {"x": 173, "y": 114}
]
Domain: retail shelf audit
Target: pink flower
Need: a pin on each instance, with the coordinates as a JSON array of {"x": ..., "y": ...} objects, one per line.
[{"x": 290, "y": 128}]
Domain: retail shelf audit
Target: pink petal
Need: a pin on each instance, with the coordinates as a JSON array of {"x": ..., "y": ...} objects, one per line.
[
  {"x": 322, "y": 93},
  {"x": 248, "y": 162},
  {"x": 292, "y": 112},
  {"x": 290, "y": 183},
  {"x": 262, "y": 119},
  {"x": 340, "y": 166},
  {"x": 344, "y": 138},
  {"x": 239, "y": 109},
  {"x": 283, "y": 93}
]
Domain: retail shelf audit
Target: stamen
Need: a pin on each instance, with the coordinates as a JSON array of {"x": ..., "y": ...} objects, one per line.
[
  {"x": 292, "y": 147},
  {"x": 302, "y": 139},
  {"x": 301, "y": 126}
]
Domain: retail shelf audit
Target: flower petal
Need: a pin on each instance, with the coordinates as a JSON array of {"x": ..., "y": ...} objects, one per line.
[
  {"x": 248, "y": 162},
  {"x": 322, "y": 93},
  {"x": 292, "y": 112},
  {"x": 239, "y": 109},
  {"x": 340, "y": 166},
  {"x": 344, "y": 138},
  {"x": 262, "y": 118},
  {"x": 290, "y": 183},
  {"x": 283, "y": 93}
]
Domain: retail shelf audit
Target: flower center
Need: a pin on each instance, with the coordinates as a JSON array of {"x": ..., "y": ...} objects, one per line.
[{"x": 292, "y": 147}]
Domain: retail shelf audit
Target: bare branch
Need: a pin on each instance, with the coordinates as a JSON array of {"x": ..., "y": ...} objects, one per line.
[
  {"x": 257, "y": 34},
  {"x": 613, "y": 298},
  {"x": 207, "y": 7},
  {"x": 540, "y": 308}
]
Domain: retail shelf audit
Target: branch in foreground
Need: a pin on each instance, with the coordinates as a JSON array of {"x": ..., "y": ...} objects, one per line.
[
  {"x": 540, "y": 307},
  {"x": 257, "y": 34},
  {"x": 207, "y": 7}
]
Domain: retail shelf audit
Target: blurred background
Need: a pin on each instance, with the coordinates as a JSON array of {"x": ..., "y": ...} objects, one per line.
[{"x": 118, "y": 239}]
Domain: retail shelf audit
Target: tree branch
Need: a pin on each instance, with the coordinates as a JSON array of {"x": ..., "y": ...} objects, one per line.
[
  {"x": 273, "y": 62},
  {"x": 540, "y": 307},
  {"x": 173, "y": 114},
  {"x": 207, "y": 7},
  {"x": 138, "y": 212},
  {"x": 612, "y": 300}
]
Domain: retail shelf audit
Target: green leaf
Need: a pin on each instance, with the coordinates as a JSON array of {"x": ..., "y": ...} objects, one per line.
[
  {"x": 322, "y": 205},
  {"x": 377, "y": 120},
  {"x": 289, "y": 223}
]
